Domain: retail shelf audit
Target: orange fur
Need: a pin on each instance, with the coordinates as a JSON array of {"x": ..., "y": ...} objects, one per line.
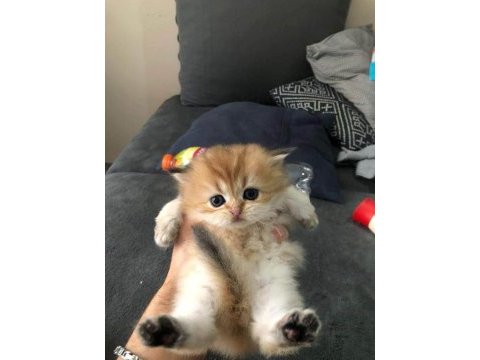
[
  {"x": 233, "y": 316},
  {"x": 230, "y": 169},
  {"x": 218, "y": 287}
]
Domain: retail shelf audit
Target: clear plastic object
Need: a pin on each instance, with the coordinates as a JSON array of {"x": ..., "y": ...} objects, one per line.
[{"x": 300, "y": 175}]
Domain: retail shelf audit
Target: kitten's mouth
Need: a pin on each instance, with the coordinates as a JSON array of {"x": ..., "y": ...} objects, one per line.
[{"x": 238, "y": 220}]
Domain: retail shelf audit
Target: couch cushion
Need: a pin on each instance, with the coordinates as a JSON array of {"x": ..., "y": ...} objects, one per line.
[
  {"x": 338, "y": 279},
  {"x": 348, "y": 180},
  {"x": 134, "y": 266},
  {"x": 234, "y": 50}
]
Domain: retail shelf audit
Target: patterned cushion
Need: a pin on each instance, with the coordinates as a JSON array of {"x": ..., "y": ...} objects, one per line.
[{"x": 351, "y": 130}]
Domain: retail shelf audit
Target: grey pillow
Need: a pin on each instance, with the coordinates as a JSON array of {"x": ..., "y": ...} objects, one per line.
[
  {"x": 343, "y": 62},
  {"x": 233, "y": 50}
]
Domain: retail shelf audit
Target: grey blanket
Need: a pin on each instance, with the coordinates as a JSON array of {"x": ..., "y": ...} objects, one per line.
[
  {"x": 366, "y": 160},
  {"x": 343, "y": 61}
]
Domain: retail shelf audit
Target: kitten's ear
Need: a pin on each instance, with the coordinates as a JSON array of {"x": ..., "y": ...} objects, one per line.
[{"x": 281, "y": 154}]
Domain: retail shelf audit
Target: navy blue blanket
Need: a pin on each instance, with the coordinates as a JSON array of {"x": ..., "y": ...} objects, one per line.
[{"x": 272, "y": 127}]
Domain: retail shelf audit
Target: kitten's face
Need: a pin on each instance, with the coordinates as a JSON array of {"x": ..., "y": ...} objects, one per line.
[{"x": 235, "y": 185}]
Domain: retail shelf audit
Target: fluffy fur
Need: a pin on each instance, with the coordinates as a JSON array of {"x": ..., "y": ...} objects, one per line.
[{"x": 237, "y": 293}]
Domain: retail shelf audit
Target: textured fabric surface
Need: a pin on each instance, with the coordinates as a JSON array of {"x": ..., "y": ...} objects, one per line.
[
  {"x": 343, "y": 61},
  {"x": 365, "y": 161},
  {"x": 134, "y": 266},
  {"x": 349, "y": 181},
  {"x": 338, "y": 279},
  {"x": 272, "y": 127},
  {"x": 234, "y": 50},
  {"x": 351, "y": 130}
]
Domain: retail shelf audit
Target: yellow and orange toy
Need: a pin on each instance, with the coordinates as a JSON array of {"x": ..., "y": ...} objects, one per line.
[{"x": 172, "y": 163}]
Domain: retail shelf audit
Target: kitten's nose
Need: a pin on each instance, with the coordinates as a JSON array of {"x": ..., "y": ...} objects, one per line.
[{"x": 235, "y": 211}]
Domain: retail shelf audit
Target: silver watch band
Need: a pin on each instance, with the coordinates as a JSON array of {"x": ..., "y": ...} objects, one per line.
[{"x": 125, "y": 354}]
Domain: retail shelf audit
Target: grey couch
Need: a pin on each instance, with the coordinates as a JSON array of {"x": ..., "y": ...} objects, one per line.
[{"x": 338, "y": 279}]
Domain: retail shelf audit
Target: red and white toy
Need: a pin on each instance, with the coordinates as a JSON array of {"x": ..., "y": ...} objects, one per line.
[{"x": 364, "y": 214}]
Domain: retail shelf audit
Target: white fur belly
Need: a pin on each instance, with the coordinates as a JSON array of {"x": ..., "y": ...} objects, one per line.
[{"x": 269, "y": 272}]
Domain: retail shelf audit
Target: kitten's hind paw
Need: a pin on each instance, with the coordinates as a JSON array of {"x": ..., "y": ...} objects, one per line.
[
  {"x": 300, "y": 327},
  {"x": 166, "y": 232},
  {"x": 162, "y": 331}
]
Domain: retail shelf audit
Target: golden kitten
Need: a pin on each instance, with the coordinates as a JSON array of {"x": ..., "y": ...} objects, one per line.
[{"x": 237, "y": 293}]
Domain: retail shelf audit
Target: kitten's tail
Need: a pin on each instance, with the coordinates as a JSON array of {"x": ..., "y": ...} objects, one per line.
[{"x": 216, "y": 253}]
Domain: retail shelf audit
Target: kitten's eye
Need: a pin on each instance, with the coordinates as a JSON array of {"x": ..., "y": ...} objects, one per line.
[
  {"x": 217, "y": 200},
  {"x": 250, "y": 194}
]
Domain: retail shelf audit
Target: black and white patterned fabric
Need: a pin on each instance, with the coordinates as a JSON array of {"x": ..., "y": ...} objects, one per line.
[{"x": 351, "y": 130}]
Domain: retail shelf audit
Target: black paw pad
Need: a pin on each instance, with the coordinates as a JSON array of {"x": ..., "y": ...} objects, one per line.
[
  {"x": 311, "y": 322},
  {"x": 163, "y": 331},
  {"x": 298, "y": 329}
]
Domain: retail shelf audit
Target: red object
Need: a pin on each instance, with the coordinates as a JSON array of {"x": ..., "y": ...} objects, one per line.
[
  {"x": 168, "y": 162},
  {"x": 364, "y": 212}
]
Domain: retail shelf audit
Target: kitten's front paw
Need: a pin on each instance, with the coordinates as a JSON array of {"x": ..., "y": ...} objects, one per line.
[
  {"x": 300, "y": 327},
  {"x": 310, "y": 222},
  {"x": 163, "y": 331},
  {"x": 166, "y": 231}
]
